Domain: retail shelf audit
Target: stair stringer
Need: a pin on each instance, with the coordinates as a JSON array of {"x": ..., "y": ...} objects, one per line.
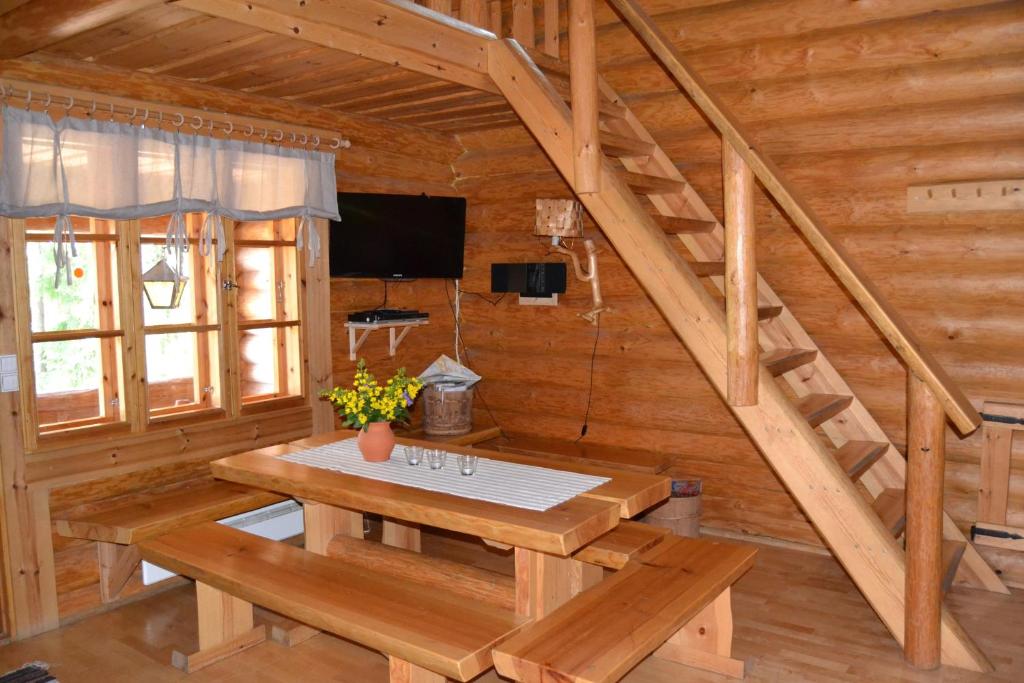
[
  {"x": 857, "y": 536},
  {"x": 785, "y": 331}
]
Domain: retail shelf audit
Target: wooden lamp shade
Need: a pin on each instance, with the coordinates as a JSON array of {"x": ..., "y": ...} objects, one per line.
[{"x": 559, "y": 218}]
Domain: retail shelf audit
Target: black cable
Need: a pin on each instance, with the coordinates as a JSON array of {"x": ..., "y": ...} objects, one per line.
[
  {"x": 493, "y": 302},
  {"x": 465, "y": 349},
  {"x": 385, "y": 303},
  {"x": 590, "y": 388}
]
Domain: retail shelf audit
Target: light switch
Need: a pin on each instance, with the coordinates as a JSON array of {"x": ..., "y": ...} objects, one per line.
[{"x": 8, "y": 373}]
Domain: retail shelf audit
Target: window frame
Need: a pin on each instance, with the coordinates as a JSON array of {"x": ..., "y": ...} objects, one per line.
[{"x": 125, "y": 368}]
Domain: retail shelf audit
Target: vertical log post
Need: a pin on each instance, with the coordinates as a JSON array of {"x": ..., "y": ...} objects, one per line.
[
  {"x": 740, "y": 279},
  {"x": 523, "y": 29},
  {"x": 583, "y": 92},
  {"x": 926, "y": 461},
  {"x": 551, "y": 32}
]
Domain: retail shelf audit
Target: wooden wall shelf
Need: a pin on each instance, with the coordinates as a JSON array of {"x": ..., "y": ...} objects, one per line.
[{"x": 356, "y": 342}]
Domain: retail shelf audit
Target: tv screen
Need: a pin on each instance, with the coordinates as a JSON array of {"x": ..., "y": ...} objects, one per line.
[{"x": 395, "y": 236}]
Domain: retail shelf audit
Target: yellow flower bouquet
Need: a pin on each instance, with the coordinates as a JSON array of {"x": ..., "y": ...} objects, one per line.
[{"x": 367, "y": 401}]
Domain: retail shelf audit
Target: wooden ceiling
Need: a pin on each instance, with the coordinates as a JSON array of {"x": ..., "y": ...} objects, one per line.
[{"x": 171, "y": 41}]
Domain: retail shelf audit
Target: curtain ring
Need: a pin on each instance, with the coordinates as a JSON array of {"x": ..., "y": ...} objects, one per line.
[
  {"x": 145, "y": 117},
  {"x": 180, "y": 121},
  {"x": 111, "y": 111},
  {"x": 293, "y": 137},
  {"x": 230, "y": 128},
  {"x": 305, "y": 139},
  {"x": 249, "y": 130},
  {"x": 70, "y": 104},
  {"x": 28, "y": 100},
  {"x": 92, "y": 109},
  {"x": 135, "y": 110},
  {"x": 159, "y": 118},
  {"x": 336, "y": 144},
  {"x": 194, "y": 124},
  {"x": 46, "y": 107},
  {"x": 264, "y": 136},
  {"x": 279, "y": 137},
  {"x": 316, "y": 141}
]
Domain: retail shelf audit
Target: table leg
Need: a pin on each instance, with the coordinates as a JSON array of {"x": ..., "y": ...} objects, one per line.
[
  {"x": 544, "y": 582},
  {"x": 324, "y": 522},
  {"x": 401, "y": 534}
]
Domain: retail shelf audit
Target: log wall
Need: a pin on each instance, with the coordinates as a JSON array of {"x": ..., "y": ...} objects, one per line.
[{"x": 855, "y": 101}]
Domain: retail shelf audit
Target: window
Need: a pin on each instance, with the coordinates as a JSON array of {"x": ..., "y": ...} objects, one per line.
[
  {"x": 75, "y": 334},
  {"x": 183, "y": 343},
  {"x": 266, "y": 271},
  {"x": 85, "y": 338}
]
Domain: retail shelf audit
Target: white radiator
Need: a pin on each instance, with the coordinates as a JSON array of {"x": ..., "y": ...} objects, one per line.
[{"x": 277, "y": 522}]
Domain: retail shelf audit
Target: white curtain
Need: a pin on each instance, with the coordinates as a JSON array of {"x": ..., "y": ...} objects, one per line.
[{"x": 119, "y": 171}]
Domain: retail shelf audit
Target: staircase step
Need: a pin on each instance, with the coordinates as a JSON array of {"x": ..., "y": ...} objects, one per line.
[
  {"x": 625, "y": 146},
  {"x": 952, "y": 552},
  {"x": 857, "y": 457},
  {"x": 683, "y": 226},
  {"x": 818, "y": 408},
  {"x": 707, "y": 268},
  {"x": 781, "y": 361},
  {"x": 552, "y": 66},
  {"x": 768, "y": 312},
  {"x": 891, "y": 507},
  {"x": 650, "y": 184}
]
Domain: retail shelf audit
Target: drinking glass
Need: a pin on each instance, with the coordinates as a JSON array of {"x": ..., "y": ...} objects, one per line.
[
  {"x": 436, "y": 458},
  {"x": 414, "y": 454},
  {"x": 467, "y": 464}
]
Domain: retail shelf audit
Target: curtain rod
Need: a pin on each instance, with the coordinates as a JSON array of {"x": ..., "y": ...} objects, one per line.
[{"x": 171, "y": 117}]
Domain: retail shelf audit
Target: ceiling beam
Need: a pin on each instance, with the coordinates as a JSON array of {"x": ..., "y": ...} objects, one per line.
[
  {"x": 364, "y": 131},
  {"x": 39, "y": 24},
  {"x": 395, "y": 32}
]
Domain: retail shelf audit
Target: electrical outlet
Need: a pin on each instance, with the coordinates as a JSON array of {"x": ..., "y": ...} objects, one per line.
[{"x": 8, "y": 373}]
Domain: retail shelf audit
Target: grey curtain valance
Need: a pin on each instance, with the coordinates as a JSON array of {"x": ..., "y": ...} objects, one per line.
[{"x": 119, "y": 171}]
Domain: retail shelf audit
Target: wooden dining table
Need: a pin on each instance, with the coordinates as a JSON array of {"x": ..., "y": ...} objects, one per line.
[{"x": 546, "y": 575}]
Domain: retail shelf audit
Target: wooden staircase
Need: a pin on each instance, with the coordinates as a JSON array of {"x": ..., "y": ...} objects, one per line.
[{"x": 822, "y": 442}]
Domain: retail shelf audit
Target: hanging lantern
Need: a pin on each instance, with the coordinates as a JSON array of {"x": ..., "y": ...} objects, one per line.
[{"x": 163, "y": 286}]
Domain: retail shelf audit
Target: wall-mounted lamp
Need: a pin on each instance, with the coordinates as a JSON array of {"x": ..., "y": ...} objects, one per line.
[
  {"x": 563, "y": 218},
  {"x": 163, "y": 286}
]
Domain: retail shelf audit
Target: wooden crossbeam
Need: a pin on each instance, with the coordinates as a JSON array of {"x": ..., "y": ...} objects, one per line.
[
  {"x": 35, "y": 25},
  {"x": 403, "y": 35}
]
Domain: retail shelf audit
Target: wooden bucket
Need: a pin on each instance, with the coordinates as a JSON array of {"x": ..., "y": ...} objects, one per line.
[
  {"x": 447, "y": 413},
  {"x": 681, "y": 512}
]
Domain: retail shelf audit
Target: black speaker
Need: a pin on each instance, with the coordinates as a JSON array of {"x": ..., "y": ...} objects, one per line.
[{"x": 528, "y": 279}]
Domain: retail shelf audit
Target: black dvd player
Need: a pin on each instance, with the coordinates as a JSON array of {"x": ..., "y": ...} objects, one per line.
[{"x": 380, "y": 315}]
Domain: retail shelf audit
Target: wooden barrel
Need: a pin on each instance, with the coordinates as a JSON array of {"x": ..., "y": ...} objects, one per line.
[
  {"x": 447, "y": 413},
  {"x": 681, "y": 512}
]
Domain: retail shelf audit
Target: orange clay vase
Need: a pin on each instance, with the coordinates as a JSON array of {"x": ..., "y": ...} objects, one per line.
[{"x": 376, "y": 441}]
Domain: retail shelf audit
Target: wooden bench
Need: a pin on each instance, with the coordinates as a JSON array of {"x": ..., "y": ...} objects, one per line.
[
  {"x": 634, "y": 459},
  {"x": 118, "y": 528},
  {"x": 427, "y": 632},
  {"x": 672, "y": 600}
]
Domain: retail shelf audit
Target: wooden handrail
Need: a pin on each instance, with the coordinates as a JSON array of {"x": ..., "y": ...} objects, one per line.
[{"x": 921, "y": 363}]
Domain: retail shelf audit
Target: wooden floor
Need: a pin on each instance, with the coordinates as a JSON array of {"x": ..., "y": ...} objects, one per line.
[{"x": 798, "y": 619}]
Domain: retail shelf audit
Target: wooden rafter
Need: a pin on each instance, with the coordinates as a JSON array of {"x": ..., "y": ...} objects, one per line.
[
  {"x": 397, "y": 33},
  {"x": 35, "y": 25}
]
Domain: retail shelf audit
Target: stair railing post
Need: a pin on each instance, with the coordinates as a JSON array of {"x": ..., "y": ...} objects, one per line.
[
  {"x": 926, "y": 462},
  {"x": 583, "y": 94},
  {"x": 740, "y": 279}
]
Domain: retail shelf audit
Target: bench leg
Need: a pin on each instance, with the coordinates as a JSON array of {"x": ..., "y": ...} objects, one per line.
[
  {"x": 706, "y": 641},
  {"x": 403, "y": 672},
  {"x": 225, "y": 629},
  {"x": 117, "y": 564},
  {"x": 401, "y": 534}
]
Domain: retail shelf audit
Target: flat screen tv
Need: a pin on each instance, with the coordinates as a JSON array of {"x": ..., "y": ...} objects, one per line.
[{"x": 396, "y": 236}]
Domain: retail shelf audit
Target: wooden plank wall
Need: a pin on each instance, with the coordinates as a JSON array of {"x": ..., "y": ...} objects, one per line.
[
  {"x": 855, "y": 101},
  {"x": 384, "y": 158}
]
